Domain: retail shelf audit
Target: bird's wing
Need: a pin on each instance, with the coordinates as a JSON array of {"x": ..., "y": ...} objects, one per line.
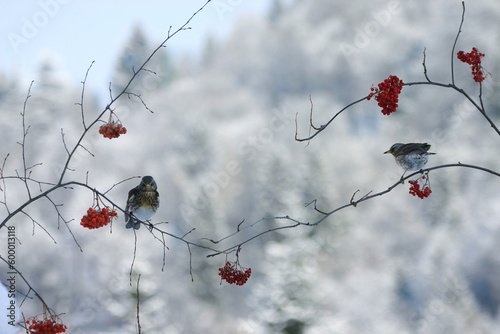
[
  {"x": 130, "y": 198},
  {"x": 413, "y": 148}
]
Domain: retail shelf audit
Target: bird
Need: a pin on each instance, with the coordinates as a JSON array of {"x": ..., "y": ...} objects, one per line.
[
  {"x": 411, "y": 156},
  {"x": 142, "y": 202}
]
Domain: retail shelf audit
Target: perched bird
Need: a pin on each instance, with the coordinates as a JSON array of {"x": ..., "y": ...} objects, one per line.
[
  {"x": 412, "y": 156},
  {"x": 142, "y": 202}
]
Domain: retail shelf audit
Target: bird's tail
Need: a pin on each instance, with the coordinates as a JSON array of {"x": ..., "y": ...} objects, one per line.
[{"x": 131, "y": 222}]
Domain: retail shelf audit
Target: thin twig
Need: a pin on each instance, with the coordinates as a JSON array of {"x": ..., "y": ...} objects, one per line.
[
  {"x": 455, "y": 43},
  {"x": 323, "y": 127},
  {"x": 294, "y": 223},
  {"x": 480, "y": 108},
  {"x": 118, "y": 183},
  {"x": 138, "y": 321},
  {"x": 86, "y": 149},
  {"x": 355, "y": 203},
  {"x": 164, "y": 252},
  {"x": 140, "y": 99},
  {"x": 4, "y": 190},
  {"x": 190, "y": 262},
  {"x": 12, "y": 267},
  {"x": 133, "y": 259},
  {"x": 64, "y": 142},
  {"x": 83, "y": 94},
  {"x": 34, "y": 222},
  {"x": 25, "y": 134},
  {"x": 66, "y": 222},
  {"x": 425, "y": 67},
  {"x": 124, "y": 90},
  {"x": 311, "y": 115}
]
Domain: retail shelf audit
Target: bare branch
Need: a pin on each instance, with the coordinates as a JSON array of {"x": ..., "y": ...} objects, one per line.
[
  {"x": 148, "y": 70},
  {"x": 133, "y": 259},
  {"x": 66, "y": 222},
  {"x": 25, "y": 176},
  {"x": 34, "y": 222},
  {"x": 355, "y": 203},
  {"x": 110, "y": 97},
  {"x": 124, "y": 91},
  {"x": 169, "y": 36},
  {"x": 140, "y": 99},
  {"x": 311, "y": 116},
  {"x": 92, "y": 154},
  {"x": 188, "y": 232},
  {"x": 238, "y": 227},
  {"x": 4, "y": 189},
  {"x": 235, "y": 247},
  {"x": 118, "y": 183},
  {"x": 83, "y": 94},
  {"x": 64, "y": 142},
  {"x": 323, "y": 127},
  {"x": 455, "y": 43},
  {"x": 138, "y": 322},
  {"x": 190, "y": 262},
  {"x": 25, "y": 133},
  {"x": 294, "y": 223},
  {"x": 480, "y": 108},
  {"x": 12, "y": 267},
  {"x": 164, "y": 252},
  {"x": 315, "y": 206},
  {"x": 425, "y": 67}
]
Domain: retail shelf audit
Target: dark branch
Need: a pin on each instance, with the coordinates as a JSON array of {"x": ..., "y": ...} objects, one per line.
[
  {"x": 294, "y": 223},
  {"x": 455, "y": 43},
  {"x": 138, "y": 321},
  {"x": 83, "y": 94}
]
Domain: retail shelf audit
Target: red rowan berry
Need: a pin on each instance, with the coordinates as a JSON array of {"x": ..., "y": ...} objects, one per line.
[
  {"x": 112, "y": 129},
  {"x": 97, "y": 218},
  {"x": 46, "y": 326},
  {"x": 473, "y": 58},
  {"x": 415, "y": 187},
  {"x": 387, "y": 93},
  {"x": 234, "y": 273}
]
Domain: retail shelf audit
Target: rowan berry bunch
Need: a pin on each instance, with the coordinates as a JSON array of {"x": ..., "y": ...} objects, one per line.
[
  {"x": 112, "y": 129},
  {"x": 97, "y": 218},
  {"x": 387, "y": 94},
  {"x": 46, "y": 326},
  {"x": 473, "y": 58},
  {"x": 234, "y": 273},
  {"x": 416, "y": 185}
]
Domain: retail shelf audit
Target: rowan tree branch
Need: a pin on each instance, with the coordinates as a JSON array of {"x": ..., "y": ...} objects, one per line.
[
  {"x": 478, "y": 105},
  {"x": 47, "y": 188},
  {"x": 455, "y": 43},
  {"x": 25, "y": 134},
  {"x": 326, "y": 214}
]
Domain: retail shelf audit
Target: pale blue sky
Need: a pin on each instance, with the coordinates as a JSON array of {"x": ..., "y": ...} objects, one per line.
[{"x": 78, "y": 32}]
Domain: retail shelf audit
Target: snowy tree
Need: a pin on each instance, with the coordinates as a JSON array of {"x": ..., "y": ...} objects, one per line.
[
  {"x": 158, "y": 73},
  {"x": 335, "y": 242}
]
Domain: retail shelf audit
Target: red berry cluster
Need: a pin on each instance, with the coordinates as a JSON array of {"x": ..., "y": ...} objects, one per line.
[
  {"x": 47, "y": 326},
  {"x": 232, "y": 274},
  {"x": 387, "y": 94},
  {"x": 473, "y": 58},
  {"x": 415, "y": 187},
  {"x": 112, "y": 129},
  {"x": 97, "y": 218}
]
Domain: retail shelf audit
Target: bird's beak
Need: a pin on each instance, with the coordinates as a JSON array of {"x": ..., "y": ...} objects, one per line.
[
  {"x": 148, "y": 185},
  {"x": 387, "y": 152}
]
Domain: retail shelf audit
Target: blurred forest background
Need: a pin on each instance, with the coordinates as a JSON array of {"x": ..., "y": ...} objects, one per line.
[{"x": 394, "y": 264}]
